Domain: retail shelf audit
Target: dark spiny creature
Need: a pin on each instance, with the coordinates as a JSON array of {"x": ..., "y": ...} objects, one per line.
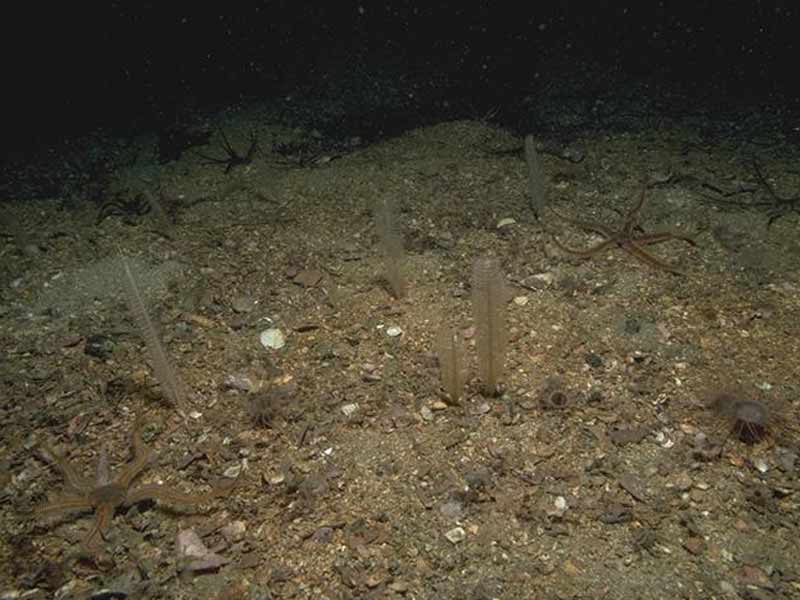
[
  {"x": 748, "y": 419},
  {"x": 233, "y": 158}
]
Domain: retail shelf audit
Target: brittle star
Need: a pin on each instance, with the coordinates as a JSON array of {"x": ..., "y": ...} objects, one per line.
[
  {"x": 625, "y": 238},
  {"x": 106, "y": 494}
]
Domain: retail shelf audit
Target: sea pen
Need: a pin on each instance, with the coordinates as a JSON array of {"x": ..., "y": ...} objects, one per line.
[
  {"x": 489, "y": 308},
  {"x": 451, "y": 362},
  {"x": 387, "y": 223},
  {"x": 171, "y": 384},
  {"x": 536, "y": 190}
]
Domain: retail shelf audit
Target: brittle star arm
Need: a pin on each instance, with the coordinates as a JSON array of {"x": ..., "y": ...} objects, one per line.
[
  {"x": 72, "y": 478},
  {"x": 102, "y": 520},
  {"x": 606, "y": 232},
  {"x": 141, "y": 457},
  {"x": 662, "y": 236},
  {"x": 589, "y": 251},
  {"x": 632, "y": 218},
  {"x": 634, "y": 249},
  {"x": 64, "y": 504}
]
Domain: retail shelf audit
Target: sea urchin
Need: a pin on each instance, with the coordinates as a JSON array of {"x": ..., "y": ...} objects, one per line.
[{"x": 749, "y": 419}]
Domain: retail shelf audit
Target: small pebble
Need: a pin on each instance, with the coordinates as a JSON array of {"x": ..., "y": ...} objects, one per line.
[
  {"x": 273, "y": 338},
  {"x": 505, "y": 222},
  {"x": 243, "y": 304},
  {"x": 234, "y": 531},
  {"x": 683, "y": 482},
  {"x": 323, "y": 535},
  {"x": 456, "y": 535},
  {"x": 239, "y": 381},
  {"x": 547, "y": 278},
  {"x": 559, "y": 507},
  {"x": 482, "y": 409},
  {"x": 233, "y": 472},
  {"x": 308, "y": 278},
  {"x": 696, "y": 496},
  {"x": 348, "y": 410},
  {"x": 728, "y": 589}
]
